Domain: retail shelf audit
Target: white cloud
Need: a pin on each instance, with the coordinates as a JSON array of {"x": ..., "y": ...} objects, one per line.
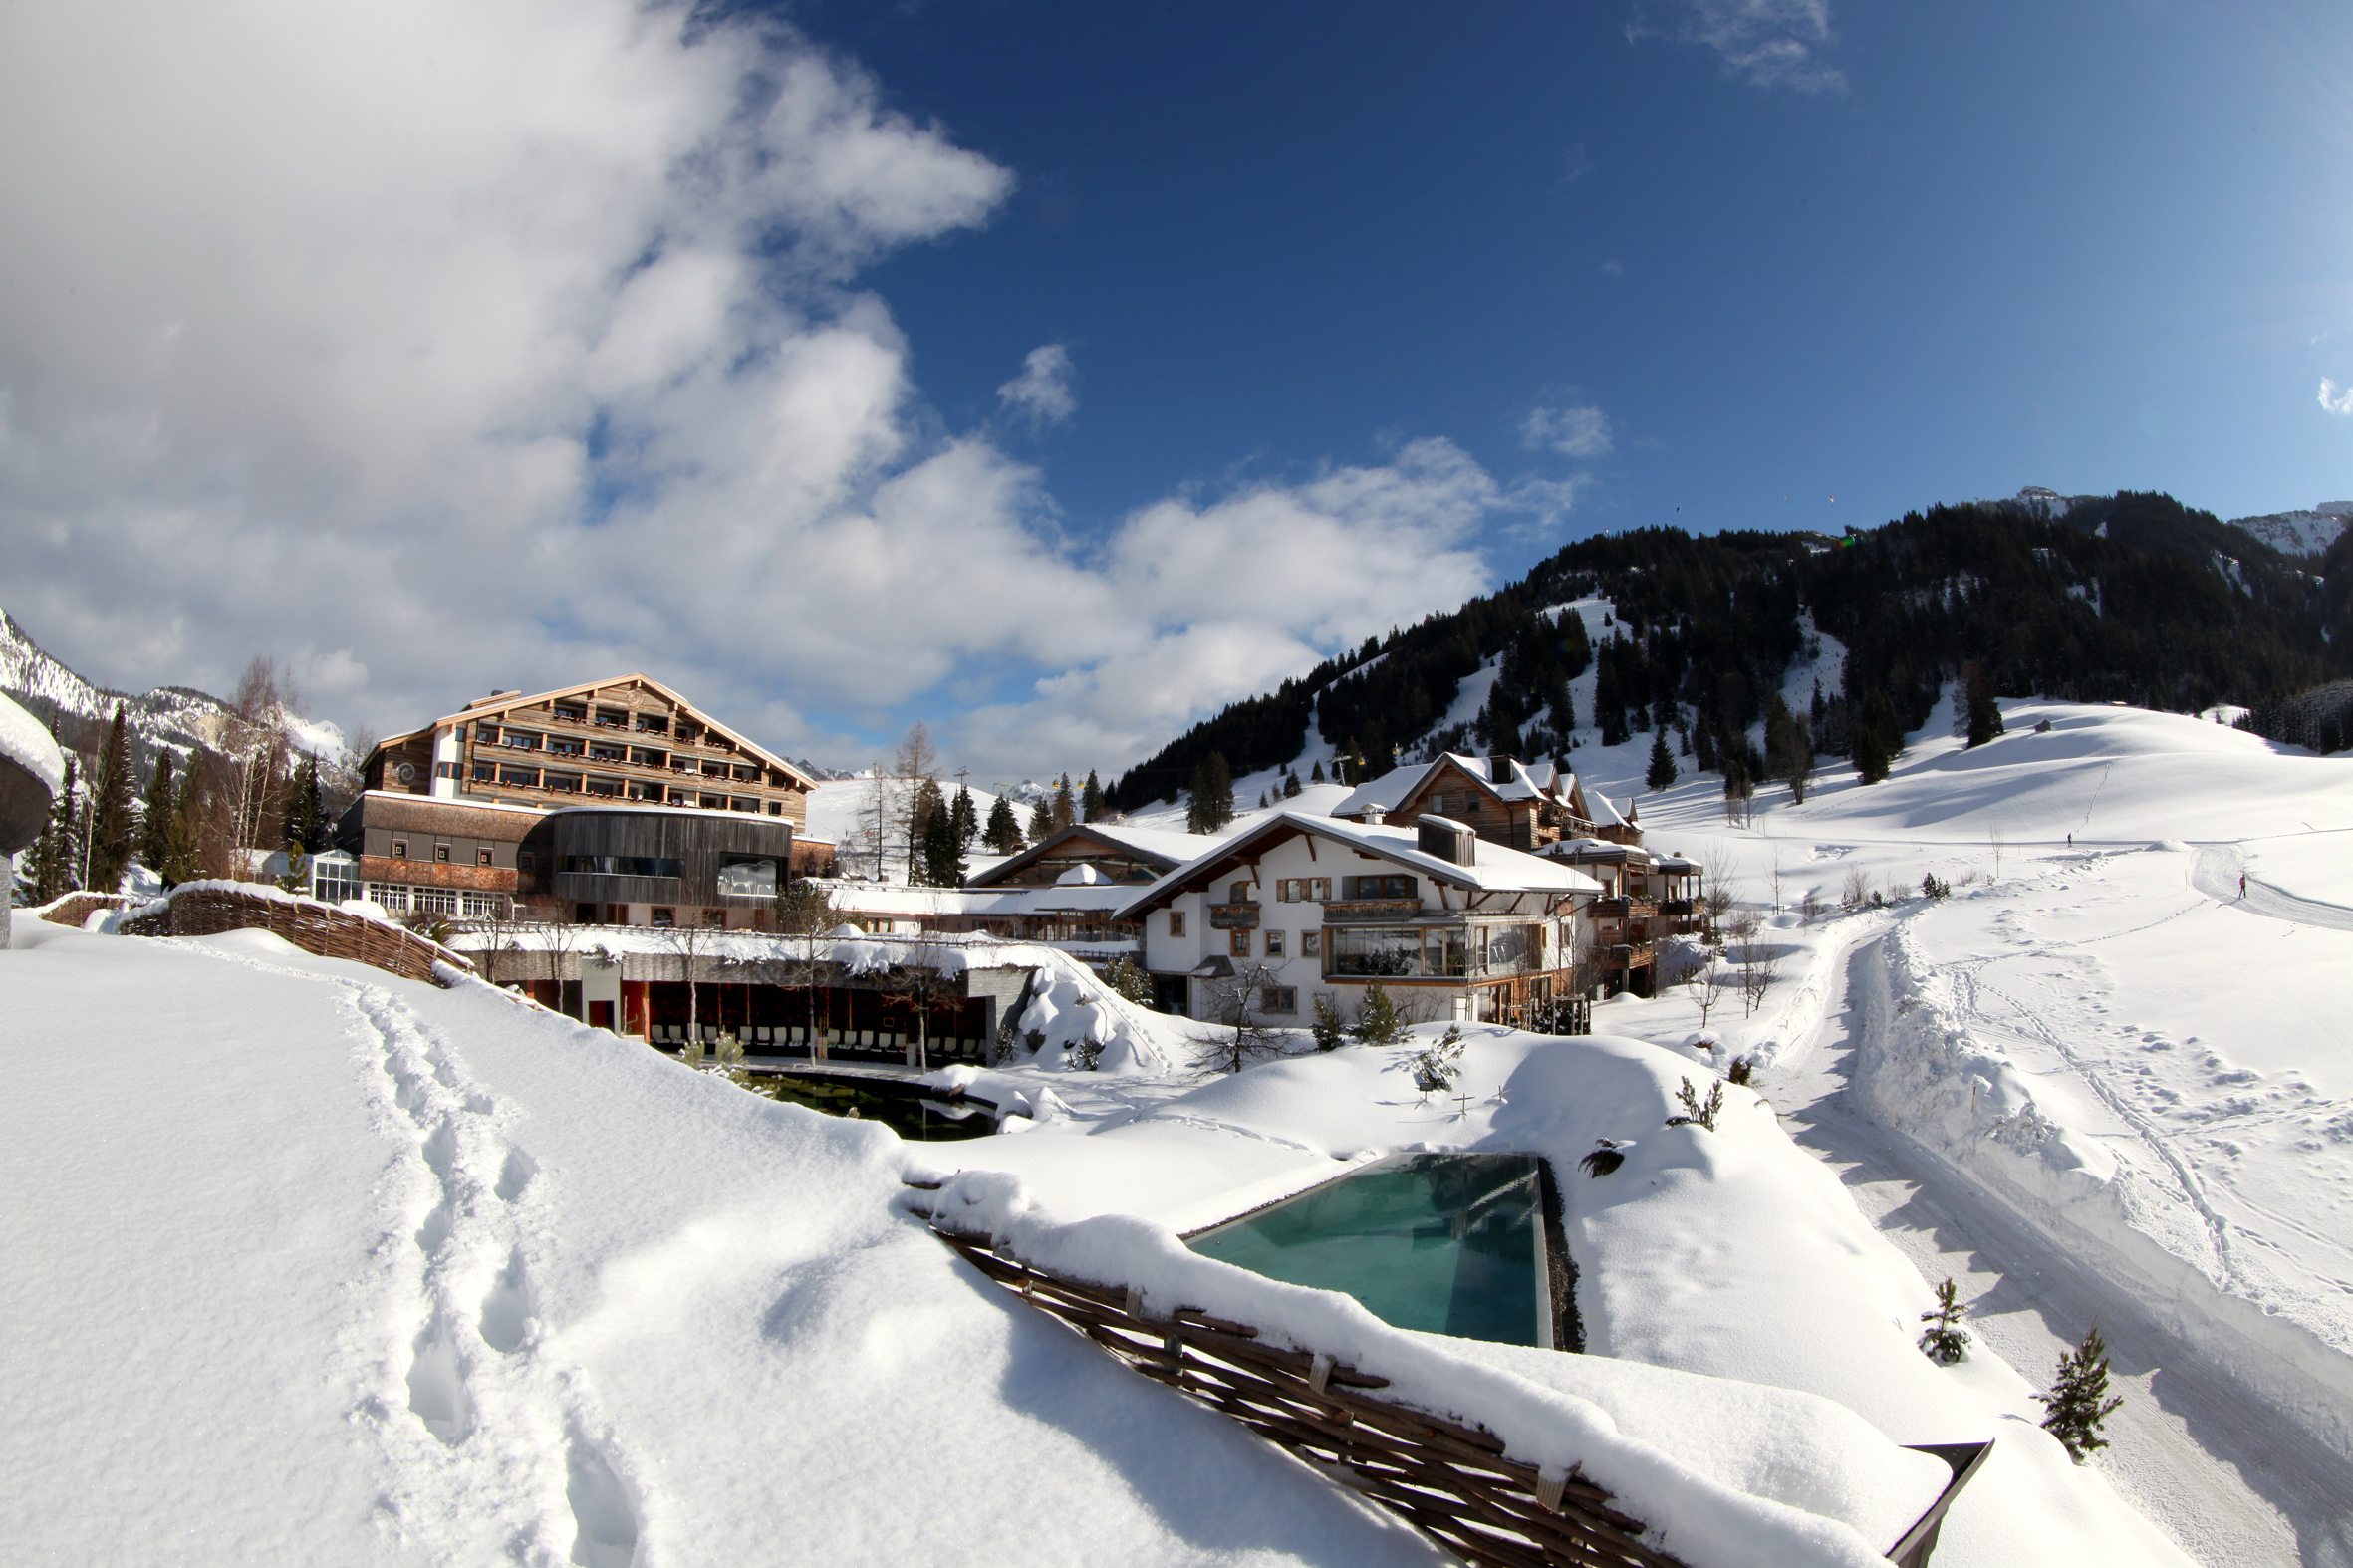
[
  {"x": 2336, "y": 399},
  {"x": 435, "y": 347},
  {"x": 1769, "y": 43},
  {"x": 1041, "y": 392},
  {"x": 1580, "y": 433}
]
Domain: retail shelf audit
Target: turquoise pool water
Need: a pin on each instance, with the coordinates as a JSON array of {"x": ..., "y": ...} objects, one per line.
[{"x": 1445, "y": 1243}]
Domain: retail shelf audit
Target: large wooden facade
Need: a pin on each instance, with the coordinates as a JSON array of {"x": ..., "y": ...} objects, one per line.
[{"x": 1521, "y": 806}]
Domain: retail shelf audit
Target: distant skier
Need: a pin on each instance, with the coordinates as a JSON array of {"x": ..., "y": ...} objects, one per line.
[{"x": 2243, "y": 885}]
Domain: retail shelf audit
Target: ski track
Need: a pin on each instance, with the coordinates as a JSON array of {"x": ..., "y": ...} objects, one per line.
[
  {"x": 494, "y": 1446},
  {"x": 2230, "y": 1486}
]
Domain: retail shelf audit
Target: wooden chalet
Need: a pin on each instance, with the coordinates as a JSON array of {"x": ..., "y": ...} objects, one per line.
[
  {"x": 460, "y": 816},
  {"x": 1300, "y": 904},
  {"x": 1117, "y": 854},
  {"x": 1521, "y": 806}
]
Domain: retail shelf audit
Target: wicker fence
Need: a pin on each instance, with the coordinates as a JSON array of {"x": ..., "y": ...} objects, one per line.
[
  {"x": 313, "y": 927},
  {"x": 1449, "y": 1480},
  {"x": 75, "y": 908}
]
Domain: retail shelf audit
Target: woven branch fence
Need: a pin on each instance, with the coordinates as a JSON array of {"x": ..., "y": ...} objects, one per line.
[
  {"x": 1449, "y": 1480},
  {"x": 313, "y": 927},
  {"x": 75, "y": 908}
]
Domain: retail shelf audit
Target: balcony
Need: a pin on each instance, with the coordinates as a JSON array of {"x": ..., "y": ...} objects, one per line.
[
  {"x": 1624, "y": 958},
  {"x": 1342, "y": 912},
  {"x": 1234, "y": 917},
  {"x": 1622, "y": 908}
]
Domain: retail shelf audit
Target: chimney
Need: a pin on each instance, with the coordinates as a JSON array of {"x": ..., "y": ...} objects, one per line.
[
  {"x": 1450, "y": 842},
  {"x": 1374, "y": 815}
]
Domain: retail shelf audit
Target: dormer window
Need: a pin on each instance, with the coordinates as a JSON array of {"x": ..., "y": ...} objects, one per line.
[{"x": 1240, "y": 894}]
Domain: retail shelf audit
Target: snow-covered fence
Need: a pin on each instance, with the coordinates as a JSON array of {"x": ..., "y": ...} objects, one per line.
[
  {"x": 206, "y": 908},
  {"x": 74, "y": 908},
  {"x": 1449, "y": 1479}
]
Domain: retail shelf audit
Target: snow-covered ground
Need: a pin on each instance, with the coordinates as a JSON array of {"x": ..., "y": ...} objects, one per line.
[{"x": 2099, "y": 1053}]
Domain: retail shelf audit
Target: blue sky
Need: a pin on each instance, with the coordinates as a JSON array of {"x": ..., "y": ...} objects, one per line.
[
  {"x": 1058, "y": 373},
  {"x": 1972, "y": 247}
]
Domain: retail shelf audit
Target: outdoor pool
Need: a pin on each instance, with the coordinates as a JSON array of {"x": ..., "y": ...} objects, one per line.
[
  {"x": 907, "y": 1109},
  {"x": 1445, "y": 1243}
]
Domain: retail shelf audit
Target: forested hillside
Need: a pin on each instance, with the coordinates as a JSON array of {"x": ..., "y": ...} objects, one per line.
[{"x": 2129, "y": 597}]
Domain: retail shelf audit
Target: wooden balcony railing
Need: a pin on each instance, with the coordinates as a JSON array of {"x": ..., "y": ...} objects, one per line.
[{"x": 1369, "y": 911}]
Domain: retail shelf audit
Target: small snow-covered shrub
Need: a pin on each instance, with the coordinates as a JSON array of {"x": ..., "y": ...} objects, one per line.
[
  {"x": 1086, "y": 1054},
  {"x": 1436, "y": 1069},
  {"x": 1697, "y": 1112},
  {"x": 1934, "y": 886},
  {"x": 1946, "y": 1342},
  {"x": 1377, "y": 1020},
  {"x": 2079, "y": 1401},
  {"x": 1126, "y": 977},
  {"x": 1608, "y": 1155},
  {"x": 1329, "y": 1030},
  {"x": 1741, "y": 1071}
]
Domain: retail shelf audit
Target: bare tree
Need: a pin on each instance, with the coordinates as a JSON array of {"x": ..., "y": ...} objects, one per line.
[
  {"x": 690, "y": 943},
  {"x": 916, "y": 764},
  {"x": 1708, "y": 983},
  {"x": 1722, "y": 897},
  {"x": 1856, "y": 892},
  {"x": 1993, "y": 835},
  {"x": 1237, "y": 1001}
]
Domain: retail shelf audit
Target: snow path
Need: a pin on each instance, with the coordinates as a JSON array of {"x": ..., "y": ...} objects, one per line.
[
  {"x": 2217, "y": 875},
  {"x": 2228, "y": 1484}
]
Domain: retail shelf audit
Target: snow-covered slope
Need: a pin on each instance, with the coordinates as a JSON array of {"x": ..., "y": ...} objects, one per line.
[
  {"x": 2098, "y": 1030},
  {"x": 841, "y": 812},
  {"x": 2300, "y": 532}
]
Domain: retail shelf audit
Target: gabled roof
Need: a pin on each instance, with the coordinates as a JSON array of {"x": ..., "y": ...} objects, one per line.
[
  {"x": 1508, "y": 779},
  {"x": 1495, "y": 869},
  {"x": 1160, "y": 848},
  {"x": 1386, "y": 792},
  {"x": 492, "y": 708}
]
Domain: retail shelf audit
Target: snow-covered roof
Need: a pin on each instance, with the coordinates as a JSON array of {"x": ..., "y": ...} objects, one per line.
[
  {"x": 1495, "y": 869},
  {"x": 1386, "y": 791},
  {"x": 494, "y": 707},
  {"x": 24, "y": 742},
  {"x": 894, "y": 900}
]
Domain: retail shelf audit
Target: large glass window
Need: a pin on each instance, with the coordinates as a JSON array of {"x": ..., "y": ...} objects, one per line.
[
  {"x": 625, "y": 866},
  {"x": 747, "y": 878},
  {"x": 1445, "y": 951},
  {"x": 1375, "y": 951},
  {"x": 1513, "y": 949}
]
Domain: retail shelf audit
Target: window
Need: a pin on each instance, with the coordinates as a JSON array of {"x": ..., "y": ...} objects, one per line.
[
  {"x": 610, "y": 718},
  {"x": 1240, "y": 894},
  {"x": 1381, "y": 887},
  {"x": 444, "y": 770},
  {"x": 485, "y": 734},
  {"x": 624, "y": 866},
  {"x": 441, "y": 853},
  {"x": 1311, "y": 945},
  {"x": 1307, "y": 890},
  {"x": 400, "y": 849},
  {"x": 714, "y": 917},
  {"x": 521, "y": 779},
  {"x": 483, "y": 858},
  {"x": 1175, "y": 922},
  {"x": 485, "y": 773},
  {"x": 654, "y": 724},
  {"x": 740, "y": 803},
  {"x": 584, "y": 915},
  {"x": 525, "y": 860},
  {"x": 662, "y": 919},
  {"x": 1377, "y": 951},
  {"x": 1239, "y": 944},
  {"x": 1274, "y": 944},
  {"x": 776, "y": 808},
  {"x": 747, "y": 878},
  {"x": 564, "y": 745},
  {"x": 571, "y": 713},
  {"x": 566, "y": 783},
  {"x": 1278, "y": 999}
]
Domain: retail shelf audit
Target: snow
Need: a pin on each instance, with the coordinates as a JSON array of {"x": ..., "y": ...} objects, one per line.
[
  {"x": 2299, "y": 532},
  {"x": 1730, "y": 1254},
  {"x": 25, "y": 741},
  {"x": 837, "y": 809},
  {"x": 2099, "y": 1048}
]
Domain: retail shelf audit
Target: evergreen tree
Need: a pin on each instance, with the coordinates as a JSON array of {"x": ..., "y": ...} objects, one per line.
[
  {"x": 56, "y": 856},
  {"x": 1041, "y": 822},
  {"x": 1789, "y": 750},
  {"x": 1984, "y": 715},
  {"x": 1263, "y": 802},
  {"x": 1212, "y": 805},
  {"x": 1377, "y": 1021},
  {"x": 306, "y": 809},
  {"x": 944, "y": 856},
  {"x": 2079, "y": 1401},
  {"x": 114, "y": 811},
  {"x": 1066, "y": 810},
  {"x": 1315, "y": 773},
  {"x": 1662, "y": 771},
  {"x": 1871, "y": 755},
  {"x": 962, "y": 817},
  {"x": 156, "y": 813},
  {"x": 1091, "y": 799},
  {"x": 1609, "y": 708},
  {"x": 926, "y": 824},
  {"x": 182, "y": 860},
  {"x": 1945, "y": 1341},
  {"x": 1292, "y": 786},
  {"x": 1130, "y": 979},
  {"x": 1003, "y": 833}
]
